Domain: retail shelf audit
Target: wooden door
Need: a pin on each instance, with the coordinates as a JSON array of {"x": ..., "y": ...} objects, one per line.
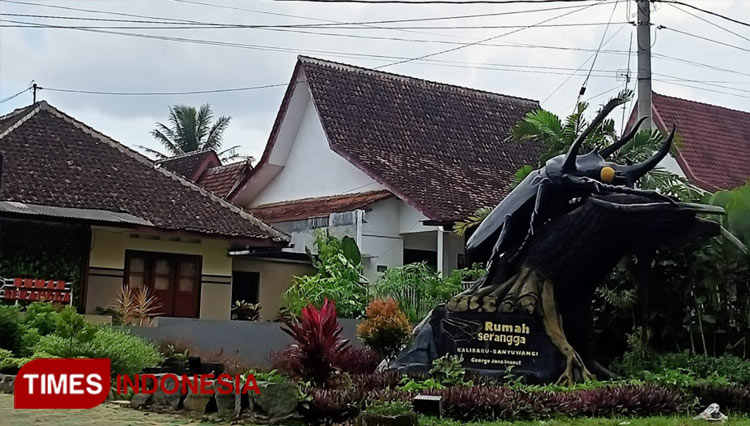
[{"x": 173, "y": 279}]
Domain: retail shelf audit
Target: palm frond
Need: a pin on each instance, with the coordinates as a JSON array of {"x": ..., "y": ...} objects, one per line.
[
  {"x": 213, "y": 141},
  {"x": 475, "y": 219},
  {"x": 158, "y": 155},
  {"x": 162, "y": 135},
  {"x": 202, "y": 124}
]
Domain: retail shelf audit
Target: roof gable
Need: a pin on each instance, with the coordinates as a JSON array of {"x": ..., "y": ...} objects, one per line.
[
  {"x": 191, "y": 164},
  {"x": 714, "y": 149},
  {"x": 51, "y": 159},
  {"x": 443, "y": 149}
]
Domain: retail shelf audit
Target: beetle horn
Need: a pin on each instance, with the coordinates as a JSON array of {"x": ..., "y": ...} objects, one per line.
[
  {"x": 607, "y": 151},
  {"x": 570, "y": 157},
  {"x": 635, "y": 171}
]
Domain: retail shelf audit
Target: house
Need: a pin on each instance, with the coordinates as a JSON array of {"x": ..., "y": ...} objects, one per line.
[
  {"x": 390, "y": 160},
  {"x": 141, "y": 224},
  {"x": 713, "y": 142}
]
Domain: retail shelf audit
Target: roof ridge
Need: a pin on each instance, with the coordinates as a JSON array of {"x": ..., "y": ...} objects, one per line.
[
  {"x": 18, "y": 123},
  {"x": 148, "y": 162},
  {"x": 309, "y": 59},
  {"x": 325, "y": 197},
  {"x": 702, "y": 103}
]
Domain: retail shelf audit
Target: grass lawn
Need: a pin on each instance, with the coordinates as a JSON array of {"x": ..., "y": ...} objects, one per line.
[{"x": 640, "y": 421}]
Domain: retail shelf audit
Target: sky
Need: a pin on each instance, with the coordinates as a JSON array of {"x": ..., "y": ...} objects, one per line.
[{"x": 706, "y": 57}]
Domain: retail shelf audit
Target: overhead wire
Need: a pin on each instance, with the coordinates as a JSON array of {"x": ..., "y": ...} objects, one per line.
[
  {"x": 571, "y": 75},
  {"x": 453, "y": 49},
  {"x": 596, "y": 54},
  {"x": 14, "y": 95}
]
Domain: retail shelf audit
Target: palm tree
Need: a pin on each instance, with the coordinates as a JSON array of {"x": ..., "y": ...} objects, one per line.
[{"x": 191, "y": 130}]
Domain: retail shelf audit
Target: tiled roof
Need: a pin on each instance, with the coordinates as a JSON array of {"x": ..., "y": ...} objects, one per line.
[
  {"x": 191, "y": 164},
  {"x": 222, "y": 180},
  {"x": 443, "y": 149},
  {"x": 317, "y": 207},
  {"x": 714, "y": 142},
  {"x": 51, "y": 159}
]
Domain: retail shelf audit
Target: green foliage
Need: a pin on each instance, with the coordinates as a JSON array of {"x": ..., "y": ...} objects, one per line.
[
  {"x": 446, "y": 371},
  {"x": 417, "y": 288},
  {"x": 338, "y": 278},
  {"x": 41, "y": 250},
  {"x": 388, "y": 408},
  {"x": 129, "y": 354},
  {"x": 41, "y": 316},
  {"x": 449, "y": 371},
  {"x": 10, "y": 364},
  {"x": 71, "y": 325},
  {"x": 11, "y": 330},
  {"x": 461, "y": 227},
  {"x": 737, "y": 205},
  {"x": 272, "y": 376},
  {"x": 189, "y": 130},
  {"x": 245, "y": 311},
  {"x": 521, "y": 174}
]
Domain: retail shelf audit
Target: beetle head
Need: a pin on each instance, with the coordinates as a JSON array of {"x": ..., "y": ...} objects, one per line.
[{"x": 594, "y": 165}]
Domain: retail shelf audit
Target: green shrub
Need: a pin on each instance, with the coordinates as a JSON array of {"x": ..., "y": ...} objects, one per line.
[
  {"x": 11, "y": 331},
  {"x": 338, "y": 278},
  {"x": 388, "y": 408},
  {"x": 129, "y": 354},
  {"x": 42, "y": 316},
  {"x": 417, "y": 288}
]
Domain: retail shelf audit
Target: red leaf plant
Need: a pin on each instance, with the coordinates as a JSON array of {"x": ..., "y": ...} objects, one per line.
[{"x": 317, "y": 342}]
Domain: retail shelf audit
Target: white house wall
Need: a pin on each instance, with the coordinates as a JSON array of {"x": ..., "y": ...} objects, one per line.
[
  {"x": 382, "y": 244},
  {"x": 311, "y": 168}
]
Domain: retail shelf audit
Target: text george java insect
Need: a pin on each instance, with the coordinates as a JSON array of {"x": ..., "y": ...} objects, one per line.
[{"x": 555, "y": 189}]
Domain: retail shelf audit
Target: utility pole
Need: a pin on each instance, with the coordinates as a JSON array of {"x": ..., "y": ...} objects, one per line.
[
  {"x": 34, "y": 88},
  {"x": 644, "y": 62}
]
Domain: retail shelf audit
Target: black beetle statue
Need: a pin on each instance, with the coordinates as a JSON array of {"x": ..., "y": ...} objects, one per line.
[{"x": 556, "y": 236}]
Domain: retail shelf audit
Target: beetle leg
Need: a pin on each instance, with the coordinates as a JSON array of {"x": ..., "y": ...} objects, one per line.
[{"x": 540, "y": 198}]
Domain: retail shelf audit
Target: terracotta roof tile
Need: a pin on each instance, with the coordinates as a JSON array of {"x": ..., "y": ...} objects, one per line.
[
  {"x": 189, "y": 164},
  {"x": 714, "y": 142},
  {"x": 53, "y": 160},
  {"x": 317, "y": 207},
  {"x": 222, "y": 180},
  {"x": 443, "y": 149}
]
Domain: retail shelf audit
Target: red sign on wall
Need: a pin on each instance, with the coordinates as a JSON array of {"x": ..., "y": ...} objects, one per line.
[{"x": 35, "y": 290}]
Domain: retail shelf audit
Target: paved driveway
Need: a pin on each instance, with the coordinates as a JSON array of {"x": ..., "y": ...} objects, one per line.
[{"x": 105, "y": 414}]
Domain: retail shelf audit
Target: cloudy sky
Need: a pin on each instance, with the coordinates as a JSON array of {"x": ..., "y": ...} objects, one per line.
[{"x": 698, "y": 57}]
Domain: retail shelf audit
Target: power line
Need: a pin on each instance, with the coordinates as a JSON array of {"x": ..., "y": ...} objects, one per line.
[
  {"x": 25, "y": 24},
  {"x": 708, "y": 22},
  {"x": 194, "y": 24},
  {"x": 423, "y": 2},
  {"x": 564, "y": 82},
  {"x": 705, "y": 89},
  {"x": 703, "y": 38},
  {"x": 596, "y": 54},
  {"x": 14, "y": 96},
  {"x": 453, "y": 49},
  {"x": 191, "y": 92},
  {"x": 710, "y": 12}
]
